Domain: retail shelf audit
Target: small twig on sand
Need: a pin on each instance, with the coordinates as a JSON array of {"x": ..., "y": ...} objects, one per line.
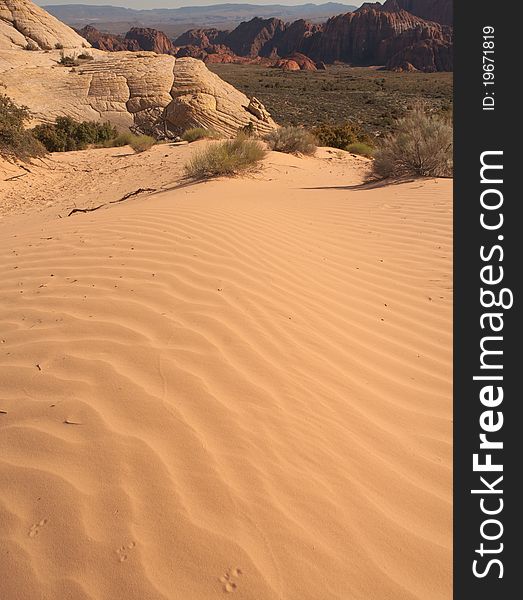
[
  {"x": 16, "y": 177},
  {"x": 126, "y": 197}
]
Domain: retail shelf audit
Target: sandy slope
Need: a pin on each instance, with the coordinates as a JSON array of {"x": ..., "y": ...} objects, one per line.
[{"x": 237, "y": 387}]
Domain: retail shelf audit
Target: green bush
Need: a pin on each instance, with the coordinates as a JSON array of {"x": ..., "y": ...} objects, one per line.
[
  {"x": 127, "y": 138},
  {"x": 422, "y": 145},
  {"x": 199, "y": 133},
  {"x": 340, "y": 135},
  {"x": 226, "y": 158},
  {"x": 122, "y": 139},
  {"x": 361, "y": 149},
  {"x": 141, "y": 143},
  {"x": 292, "y": 140},
  {"x": 66, "y": 134},
  {"x": 15, "y": 140}
]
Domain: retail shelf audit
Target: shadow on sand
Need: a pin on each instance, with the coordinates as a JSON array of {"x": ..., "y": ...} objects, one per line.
[{"x": 367, "y": 185}]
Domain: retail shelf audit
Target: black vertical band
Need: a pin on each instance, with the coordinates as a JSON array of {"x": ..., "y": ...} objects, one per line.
[{"x": 488, "y": 265}]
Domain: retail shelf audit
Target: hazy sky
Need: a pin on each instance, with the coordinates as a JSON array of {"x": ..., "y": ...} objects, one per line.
[{"x": 178, "y": 3}]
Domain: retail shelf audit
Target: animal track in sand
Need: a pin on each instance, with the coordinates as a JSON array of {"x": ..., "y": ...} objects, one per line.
[
  {"x": 35, "y": 529},
  {"x": 228, "y": 579},
  {"x": 122, "y": 551}
]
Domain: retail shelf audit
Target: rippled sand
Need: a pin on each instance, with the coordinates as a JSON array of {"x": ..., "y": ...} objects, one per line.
[{"x": 241, "y": 387}]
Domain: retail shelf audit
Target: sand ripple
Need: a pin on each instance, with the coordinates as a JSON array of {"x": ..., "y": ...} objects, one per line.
[{"x": 236, "y": 388}]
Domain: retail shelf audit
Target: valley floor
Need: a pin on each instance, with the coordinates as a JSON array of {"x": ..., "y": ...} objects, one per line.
[{"x": 240, "y": 386}]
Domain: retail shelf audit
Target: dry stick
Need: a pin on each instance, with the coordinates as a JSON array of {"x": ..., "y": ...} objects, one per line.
[
  {"x": 16, "y": 177},
  {"x": 22, "y": 175},
  {"x": 126, "y": 197}
]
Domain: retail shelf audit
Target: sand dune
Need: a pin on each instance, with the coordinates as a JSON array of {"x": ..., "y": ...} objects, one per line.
[{"x": 239, "y": 387}]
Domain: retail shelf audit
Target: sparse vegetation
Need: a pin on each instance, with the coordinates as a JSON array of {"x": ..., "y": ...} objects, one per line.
[
  {"x": 16, "y": 142},
  {"x": 68, "y": 60},
  {"x": 422, "y": 145},
  {"x": 371, "y": 98},
  {"x": 340, "y": 135},
  {"x": 122, "y": 139},
  {"x": 74, "y": 60},
  {"x": 66, "y": 134},
  {"x": 292, "y": 140},
  {"x": 199, "y": 133},
  {"x": 141, "y": 143},
  {"x": 228, "y": 158},
  {"x": 248, "y": 130},
  {"x": 361, "y": 149},
  {"x": 59, "y": 46}
]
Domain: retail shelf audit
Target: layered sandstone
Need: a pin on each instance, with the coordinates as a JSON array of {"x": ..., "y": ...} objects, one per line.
[
  {"x": 144, "y": 91},
  {"x": 25, "y": 25}
]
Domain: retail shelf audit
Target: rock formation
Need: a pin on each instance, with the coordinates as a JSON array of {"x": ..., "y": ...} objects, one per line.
[
  {"x": 296, "y": 62},
  {"x": 258, "y": 37},
  {"x": 428, "y": 55},
  {"x": 374, "y": 34},
  {"x": 135, "y": 40},
  {"x": 440, "y": 11},
  {"x": 150, "y": 40},
  {"x": 145, "y": 91},
  {"x": 25, "y": 25},
  {"x": 202, "y": 38},
  {"x": 108, "y": 41}
]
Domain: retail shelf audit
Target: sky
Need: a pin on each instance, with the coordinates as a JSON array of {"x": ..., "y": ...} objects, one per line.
[{"x": 178, "y": 3}]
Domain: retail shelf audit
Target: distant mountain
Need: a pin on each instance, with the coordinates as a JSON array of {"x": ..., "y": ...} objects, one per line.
[
  {"x": 374, "y": 34},
  {"x": 174, "y": 21}
]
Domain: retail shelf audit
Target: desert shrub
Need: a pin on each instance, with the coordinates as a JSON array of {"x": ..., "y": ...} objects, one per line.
[
  {"x": 199, "y": 133},
  {"x": 226, "y": 158},
  {"x": 68, "y": 60},
  {"x": 361, "y": 149},
  {"x": 292, "y": 140},
  {"x": 141, "y": 143},
  {"x": 59, "y": 46},
  {"x": 248, "y": 130},
  {"x": 421, "y": 145},
  {"x": 66, "y": 134},
  {"x": 340, "y": 135},
  {"x": 122, "y": 139},
  {"x": 85, "y": 56},
  {"x": 15, "y": 140}
]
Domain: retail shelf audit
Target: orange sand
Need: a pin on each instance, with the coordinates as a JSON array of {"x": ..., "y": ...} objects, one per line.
[{"x": 238, "y": 387}]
